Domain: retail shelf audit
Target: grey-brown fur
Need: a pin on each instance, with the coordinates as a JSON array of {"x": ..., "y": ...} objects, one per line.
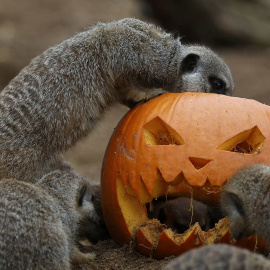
[
  {"x": 246, "y": 202},
  {"x": 178, "y": 214},
  {"x": 60, "y": 96},
  {"x": 219, "y": 257},
  {"x": 40, "y": 223}
]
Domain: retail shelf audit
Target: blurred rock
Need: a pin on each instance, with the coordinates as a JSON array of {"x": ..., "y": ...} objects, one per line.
[
  {"x": 29, "y": 27},
  {"x": 219, "y": 23}
]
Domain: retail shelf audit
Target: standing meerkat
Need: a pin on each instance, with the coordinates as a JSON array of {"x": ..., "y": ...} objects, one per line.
[
  {"x": 41, "y": 224},
  {"x": 60, "y": 96}
]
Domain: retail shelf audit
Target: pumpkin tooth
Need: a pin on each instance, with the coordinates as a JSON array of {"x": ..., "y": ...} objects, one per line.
[
  {"x": 153, "y": 239},
  {"x": 207, "y": 192},
  {"x": 130, "y": 190},
  {"x": 172, "y": 174},
  {"x": 170, "y": 243},
  {"x": 161, "y": 186},
  {"x": 144, "y": 196},
  {"x": 178, "y": 180},
  {"x": 181, "y": 188},
  {"x": 147, "y": 235},
  {"x": 142, "y": 192},
  {"x": 157, "y": 187},
  {"x": 221, "y": 233}
]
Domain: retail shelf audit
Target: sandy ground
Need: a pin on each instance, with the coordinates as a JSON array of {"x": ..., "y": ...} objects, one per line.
[{"x": 28, "y": 27}]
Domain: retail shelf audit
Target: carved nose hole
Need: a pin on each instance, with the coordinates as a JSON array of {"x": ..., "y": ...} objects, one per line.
[{"x": 199, "y": 163}]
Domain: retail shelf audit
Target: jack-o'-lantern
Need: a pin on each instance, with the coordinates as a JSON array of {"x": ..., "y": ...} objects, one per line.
[{"x": 186, "y": 144}]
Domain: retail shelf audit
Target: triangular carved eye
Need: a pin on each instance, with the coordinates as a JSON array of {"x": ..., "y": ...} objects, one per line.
[
  {"x": 247, "y": 142},
  {"x": 157, "y": 132}
]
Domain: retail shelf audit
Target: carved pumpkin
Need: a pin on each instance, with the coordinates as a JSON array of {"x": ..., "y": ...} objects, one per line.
[{"x": 178, "y": 145}]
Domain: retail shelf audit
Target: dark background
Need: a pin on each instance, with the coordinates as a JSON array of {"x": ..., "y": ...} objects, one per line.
[{"x": 238, "y": 30}]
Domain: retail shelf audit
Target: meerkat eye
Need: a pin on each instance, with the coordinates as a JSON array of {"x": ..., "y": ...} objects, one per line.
[
  {"x": 189, "y": 63},
  {"x": 217, "y": 86},
  {"x": 81, "y": 195}
]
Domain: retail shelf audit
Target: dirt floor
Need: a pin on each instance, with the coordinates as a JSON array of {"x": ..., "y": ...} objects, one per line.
[
  {"x": 111, "y": 256},
  {"x": 28, "y": 27}
]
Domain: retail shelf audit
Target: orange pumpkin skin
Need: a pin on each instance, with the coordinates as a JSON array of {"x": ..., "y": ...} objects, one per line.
[{"x": 178, "y": 144}]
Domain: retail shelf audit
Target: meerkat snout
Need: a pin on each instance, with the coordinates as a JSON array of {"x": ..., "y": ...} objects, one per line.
[
  {"x": 85, "y": 203},
  {"x": 92, "y": 228}
]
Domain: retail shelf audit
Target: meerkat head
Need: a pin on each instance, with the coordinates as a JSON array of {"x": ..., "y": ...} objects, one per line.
[
  {"x": 199, "y": 69},
  {"x": 177, "y": 214},
  {"x": 245, "y": 201},
  {"x": 202, "y": 70},
  {"x": 79, "y": 202},
  {"x": 91, "y": 227}
]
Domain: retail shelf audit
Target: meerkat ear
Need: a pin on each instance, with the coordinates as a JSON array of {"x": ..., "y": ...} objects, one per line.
[
  {"x": 189, "y": 63},
  {"x": 82, "y": 195}
]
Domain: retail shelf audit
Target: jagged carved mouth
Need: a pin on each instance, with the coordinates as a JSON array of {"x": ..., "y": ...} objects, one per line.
[{"x": 158, "y": 234}]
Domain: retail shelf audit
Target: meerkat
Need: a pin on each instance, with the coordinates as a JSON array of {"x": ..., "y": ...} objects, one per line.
[
  {"x": 180, "y": 213},
  {"x": 59, "y": 97},
  {"x": 219, "y": 257},
  {"x": 245, "y": 201},
  {"x": 40, "y": 223}
]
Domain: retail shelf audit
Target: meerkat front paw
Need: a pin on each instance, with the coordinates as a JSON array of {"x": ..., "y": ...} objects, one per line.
[
  {"x": 78, "y": 257},
  {"x": 131, "y": 103}
]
